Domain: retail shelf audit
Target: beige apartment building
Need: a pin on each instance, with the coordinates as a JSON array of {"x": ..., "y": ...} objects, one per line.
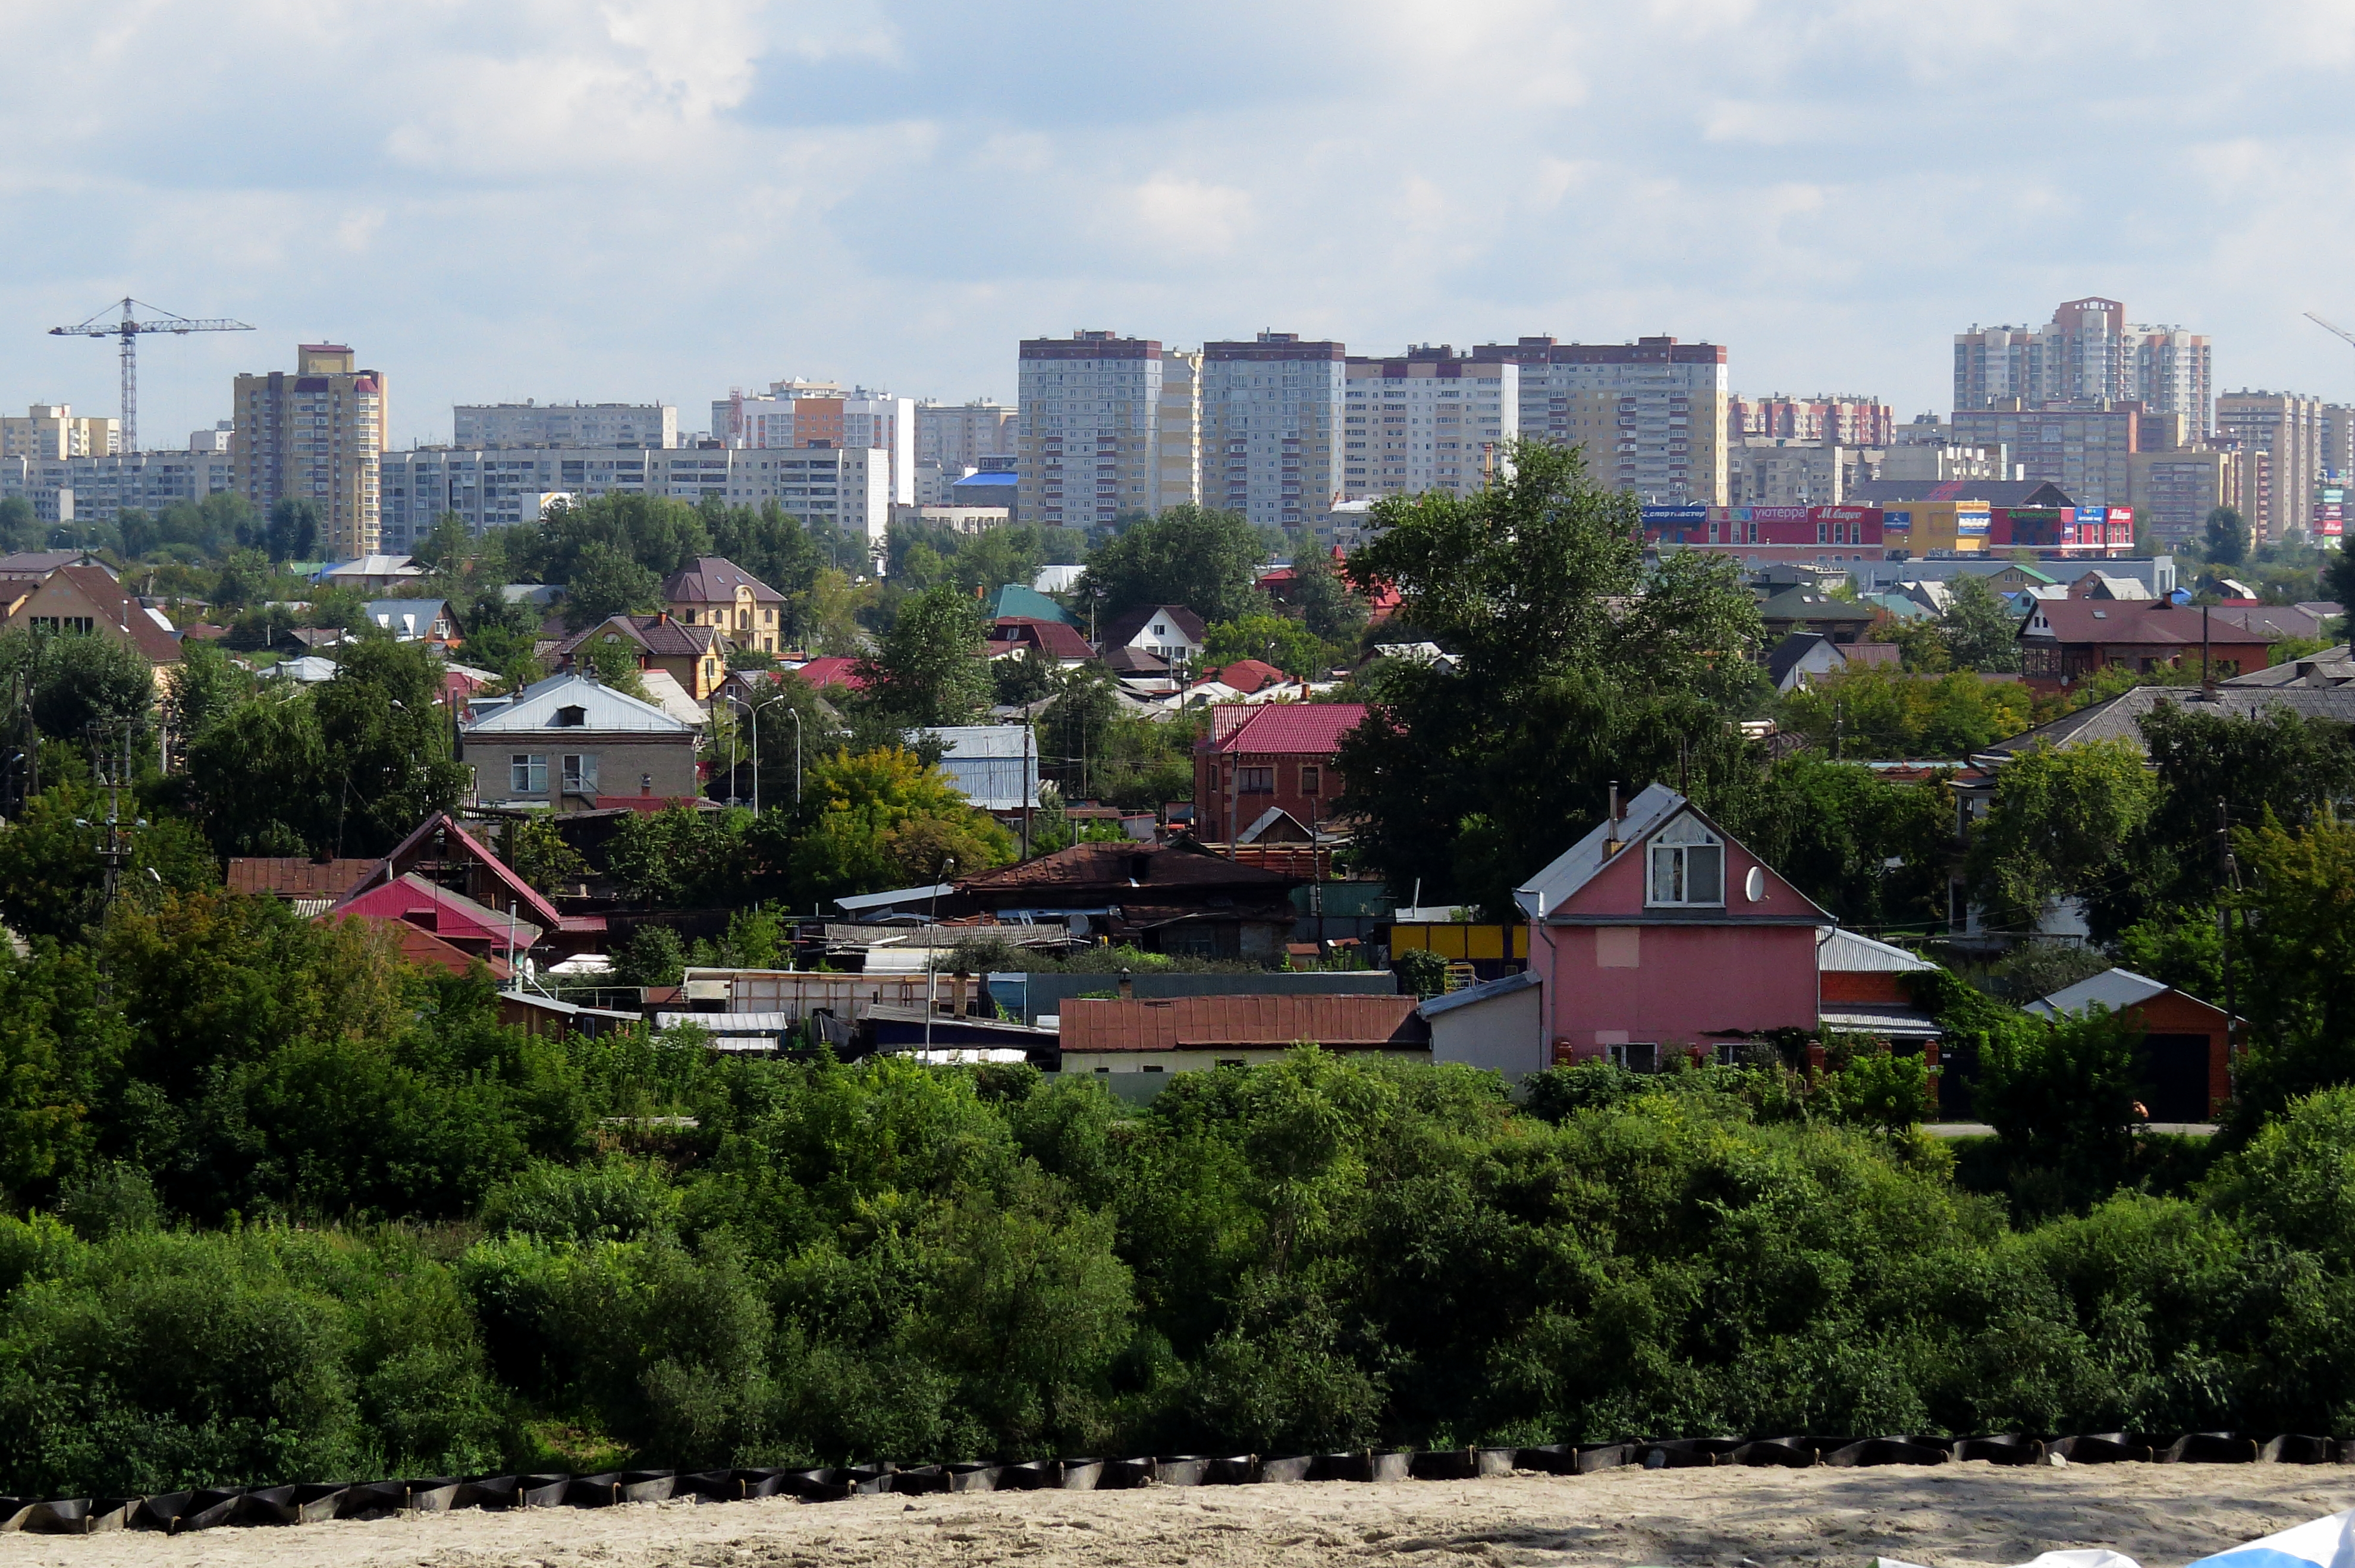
[
  {"x": 1095, "y": 410},
  {"x": 955, "y": 437},
  {"x": 1178, "y": 428},
  {"x": 2089, "y": 352},
  {"x": 2277, "y": 495},
  {"x": 1270, "y": 423},
  {"x": 1428, "y": 419},
  {"x": 2174, "y": 491},
  {"x": 1652, "y": 414},
  {"x": 50, "y": 433},
  {"x": 318, "y": 436}
]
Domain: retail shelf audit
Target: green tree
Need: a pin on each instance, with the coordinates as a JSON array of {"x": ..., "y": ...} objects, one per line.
[
  {"x": 613, "y": 659},
  {"x": 2292, "y": 941},
  {"x": 542, "y": 856},
  {"x": 881, "y": 819},
  {"x": 205, "y": 686},
  {"x": 2061, "y": 1094},
  {"x": 51, "y": 878},
  {"x": 2228, "y": 538},
  {"x": 605, "y": 581},
  {"x": 294, "y": 532},
  {"x": 1981, "y": 635},
  {"x": 2064, "y": 823},
  {"x": 929, "y": 670},
  {"x": 19, "y": 529},
  {"x": 1279, "y": 640},
  {"x": 653, "y": 956},
  {"x": 90, "y": 686},
  {"x": 656, "y": 533},
  {"x": 1204, "y": 559},
  {"x": 445, "y": 550},
  {"x": 1075, "y": 732},
  {"x": 1323, "y": 599}
]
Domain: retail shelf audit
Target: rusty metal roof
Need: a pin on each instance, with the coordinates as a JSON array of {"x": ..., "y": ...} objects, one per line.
[
  {"x": 1127, "y": 868},
  {"x": 296, "y": 876},
  {"x": 1262, "y": 1022}
]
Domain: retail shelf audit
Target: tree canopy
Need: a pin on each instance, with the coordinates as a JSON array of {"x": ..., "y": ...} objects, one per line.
[{"x": 1204, "y": 559}]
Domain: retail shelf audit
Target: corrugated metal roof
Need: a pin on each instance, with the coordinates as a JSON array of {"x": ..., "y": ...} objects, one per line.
[
  {"x": 1307, "y": 727},
  {"x": 295, "y": 876},
  {"x": 605, "y": 710},
  {"x": 1202, "y": 1023},
  {"x": 2120, "y": 717},
  {"x": 2112, "y": 988},
  {"x": 1135, "y": 871},
  {"x": 1579, "y": 864},
  {"x": 1843, "y": 952},
  {"x": 1887, "y": 1020},
  {"x": 1485, "y": 991}
]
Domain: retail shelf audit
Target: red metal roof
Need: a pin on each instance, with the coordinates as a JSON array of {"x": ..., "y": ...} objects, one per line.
[
  {"x": 433, "y": 908},
  {"x": 1307, "y": 728},
  {"x": 833, "y": 670},
  {"x": 1258, "y": 1023},
  {"x": 423, "y": 948},
  {"x": 1246, "y": 675}
]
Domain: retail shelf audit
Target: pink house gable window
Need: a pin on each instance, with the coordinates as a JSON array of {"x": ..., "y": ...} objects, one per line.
[{"x": 1688, "y": 867}]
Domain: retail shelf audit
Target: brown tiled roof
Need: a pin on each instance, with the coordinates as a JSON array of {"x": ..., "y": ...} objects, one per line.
[
  {"x": 1122, "y": 629},
  {"x": 2133, "y": 621},
  {"x": 98, "y": 585},
  {"x": 1260, "y": 1022},
  {"x": 296, "y": 876},
  {"x": 712, "y": 579},
  {"x": 658, "y": 635},
  {"x": 1138, "y": 870}
]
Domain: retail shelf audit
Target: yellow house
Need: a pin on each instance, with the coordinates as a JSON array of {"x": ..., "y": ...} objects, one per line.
[
  {"x": 87, "y": 599},
  {"x": 715, "y": 592}
]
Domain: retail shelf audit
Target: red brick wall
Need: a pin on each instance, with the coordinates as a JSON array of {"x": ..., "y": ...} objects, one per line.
[{"x": 1285, "y": 771}]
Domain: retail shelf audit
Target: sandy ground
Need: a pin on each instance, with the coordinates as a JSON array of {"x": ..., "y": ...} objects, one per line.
[{"x": 2161, "y": 1515}]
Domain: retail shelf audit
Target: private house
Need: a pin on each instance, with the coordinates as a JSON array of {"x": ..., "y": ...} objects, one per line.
[
  {"x": 1659, "y": 933},
  {"x": 994, "y": 766},
  {"x": 2186, "y": 1050},
  {"x": 1497, "y": 1026},
  {"x": 1860, "y": 988},
  {"x": 1804, "y": 657},
  {"x": 693, "y": 657},
  {"x": 833, "y": 669},
  {"x": 442, "y": 852},
  {"x": 573, "y": 743},
  {"x": 413, "y": 620},
  {"x": 2121, "y": 717},
  {"x": 1168, "y": 632},
  {"x": 1249, "y": 681},
  {"x": 1803, "y": 609},
  {"x": 1015, "y": 603},
  {"x": 473, "y": 928},
  {"x": 713, "y": 591},
  {"x": 1055, "y": 641},
  {"x": 1189, "y": 1034},
  {"x": 1175, "y": 897},
  {"x": 2066, "y": 640},
  {"x": 2326, "y": 668},
  {"x": 1277, "y": 757},
  {"x": 73, "y": 598},
  {"x": 369, "y": 573}
]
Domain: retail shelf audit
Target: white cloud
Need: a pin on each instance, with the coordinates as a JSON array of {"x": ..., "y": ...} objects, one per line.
[{"x": 659, "y": 198}]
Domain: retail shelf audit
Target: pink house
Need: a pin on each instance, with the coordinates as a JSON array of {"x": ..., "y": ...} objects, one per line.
[{"x": 1658, "y": 933}]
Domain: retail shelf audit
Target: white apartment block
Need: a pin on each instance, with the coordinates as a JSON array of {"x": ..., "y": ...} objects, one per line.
[
  {"x": 955, "y": 437},
  {"x": 1651, "y": 414},
  {"x": 488, "y": 487},
  {"x": 2088, "y": 352},
  {"x": 822, "y": 413},
  {"x": 530, "y": 423},
  {"x": 1271, "y": 421},
  {"x": 69, "y": 489},
  {"x": 51, "y": 431},
  {"x": 1093, "y": 421},
  {"x": 1430, "y": 419}
]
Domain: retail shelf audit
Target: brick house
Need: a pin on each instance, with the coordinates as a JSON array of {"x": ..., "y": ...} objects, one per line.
[
  {"x": 1278, "y": 756},
  {"x": 713, "y": 591},
  {"x": 86, "y": 598},
  {"x": 695, "y": 657},
  {"x": 2186, "y": 1052},
  {"x": 1658, "y": 933},
  {"x": 574, "y": 743},
  {"x": 2066, "y": 640}
]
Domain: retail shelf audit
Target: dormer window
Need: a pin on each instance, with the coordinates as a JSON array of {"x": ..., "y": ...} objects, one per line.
[
  {"x": 1688, "y": 866},
  {"x": 571, "y": 717}
]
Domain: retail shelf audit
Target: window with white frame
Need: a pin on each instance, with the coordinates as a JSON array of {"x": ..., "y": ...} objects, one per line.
[
  {"x": 527, "y": 774},
  {"x": 1688, "y": 866},
  {"x": 581, "y": 775}
]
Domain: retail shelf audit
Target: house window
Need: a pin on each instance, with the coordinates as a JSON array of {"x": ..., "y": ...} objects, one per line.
[
  {"x": 527, "y": 774},
  {"x": 581, "y": 775},
  {"x": 1312, "y": 779},
  {"x": 1255, "y": 781},
  {"x": 571, "y": 717},
  {"x": 1688, "y": 865},
  {"x": 743, "y": 620}
]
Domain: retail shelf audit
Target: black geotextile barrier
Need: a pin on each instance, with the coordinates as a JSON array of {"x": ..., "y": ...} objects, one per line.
[{"x": 301, "y": 1504}]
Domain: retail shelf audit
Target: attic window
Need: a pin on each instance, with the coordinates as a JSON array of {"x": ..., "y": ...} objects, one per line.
[
  {"x": 571, "y": 716},
  {"x": 2101, "y": 615},
  {"x": 1688, "y": 866}
]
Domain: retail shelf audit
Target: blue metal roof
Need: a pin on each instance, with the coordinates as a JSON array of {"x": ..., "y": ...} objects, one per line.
[{"x": 987, "y": 476}]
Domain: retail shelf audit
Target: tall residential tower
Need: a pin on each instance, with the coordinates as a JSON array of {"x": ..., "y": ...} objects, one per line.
[
  {"x": 1271, "y": 423},
  {"x": 318, "y": 436}
]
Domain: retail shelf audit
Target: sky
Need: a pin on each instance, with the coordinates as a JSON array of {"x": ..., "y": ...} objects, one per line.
[{"x": 632, "y": 200}]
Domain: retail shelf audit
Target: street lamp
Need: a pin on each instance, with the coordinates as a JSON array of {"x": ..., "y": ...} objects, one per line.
[{"x": 756, "y": 756}]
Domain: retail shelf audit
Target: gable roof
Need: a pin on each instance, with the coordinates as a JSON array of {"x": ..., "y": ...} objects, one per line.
[
  {"x": 2114, "y": 989},
  {"x": 833, "y": 669},
  {"x": 430, "y": 907},
  {"x": 1126, "y": 867},
  {"x": 1123, "y": 628},
  {"x": 1056, "y": 640},
  {"x": 605, "y": 710},
  {"x": 1652, "y": 808},
  {"x": 1842, "y": 952},
  {"x": 97, "y": 587},
  {"x": 1306, "y": 729},
  {"x": 1800, "y": 654},
  {"x": 2119, "y": 718},
  {"x": 1812, "y": 604},
  {"x": 2135, "y": 620},
  {"x": 713, "y": 579},
  {"x": 2328, "y": 666},
  {"x": 426, "y": 949},
  {"x": 522, "y": 893},
  {"x": 658, "y": 635},
  {"x": 1014, "y": 600},
  {"x": 407, "y": 618},
  {"x": 1245, "y": 676},
  {"x": 1336, "y": 1021}
]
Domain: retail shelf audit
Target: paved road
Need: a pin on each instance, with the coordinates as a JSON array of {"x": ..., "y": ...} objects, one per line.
[{"x": 1981, "y": 1130}]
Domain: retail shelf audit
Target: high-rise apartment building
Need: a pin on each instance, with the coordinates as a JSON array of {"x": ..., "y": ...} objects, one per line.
[
  {"x": 2082, "y": 447},
  {"x": 823, "y": 413},
  {"x": 956, "y": 436},
  {"x": 1177, "y": 429},
  {"x": 2089, "y": 352},
  {"x": 1428, "y": 419},
  {"x": 1271, "y": 421},
  {"x": 96, "y": 487},
  {"x": 51, "y": 431},
  {"x": 530, "y": 423},
  {"x": 1651, "y": 414},
  {"x": 317, "y": 435},
  {"x": 489, "y": 488},
  {"x": 1841, "y": 421},
  {"x": 1088, "y": 441},
  {"x": 2174, "y": 490},
  {"x": 2289, "y": 427}
]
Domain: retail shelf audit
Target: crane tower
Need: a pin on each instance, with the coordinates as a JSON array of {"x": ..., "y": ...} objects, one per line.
[{"x": 129, "y": 329}]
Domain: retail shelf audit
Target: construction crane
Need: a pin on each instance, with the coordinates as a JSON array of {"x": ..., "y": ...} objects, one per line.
[
  {"x": 129, "y": 329},
  {"x": 2335, "y": 331}
]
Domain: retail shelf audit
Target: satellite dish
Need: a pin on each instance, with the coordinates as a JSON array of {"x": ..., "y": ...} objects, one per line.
[
  {"x": 1079, "y": 923},
  {"x": 1754, "y": 884}
]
